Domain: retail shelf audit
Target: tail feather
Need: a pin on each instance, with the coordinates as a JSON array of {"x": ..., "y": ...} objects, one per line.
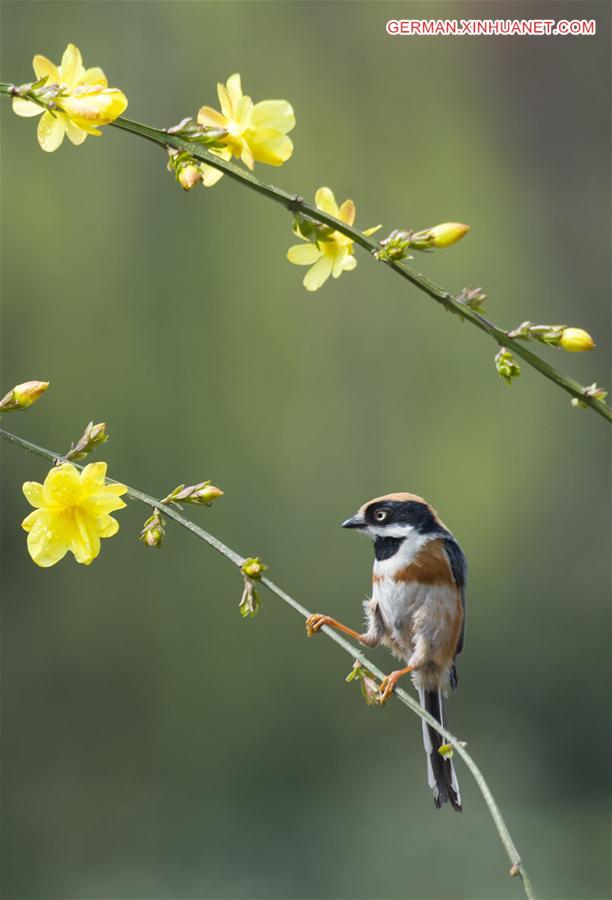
[{"x": 440, "y": 771}]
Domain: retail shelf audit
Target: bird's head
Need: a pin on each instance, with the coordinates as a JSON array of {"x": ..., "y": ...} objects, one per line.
[{"x": 395, "y": 516}]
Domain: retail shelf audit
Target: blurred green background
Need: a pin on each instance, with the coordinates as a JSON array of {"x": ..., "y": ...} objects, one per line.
[{"x": 155, "y": 745}]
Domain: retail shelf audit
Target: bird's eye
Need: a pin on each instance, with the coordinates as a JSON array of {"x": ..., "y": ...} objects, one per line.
[{"x": 380, "y": 515}]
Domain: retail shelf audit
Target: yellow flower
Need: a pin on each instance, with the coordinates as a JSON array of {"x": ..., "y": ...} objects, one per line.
[
  {"x": 83, "y": 101},
  {"x": 576, "y": 340},
  {"x": 72, "y": 513},
  {"x": 331, "y": 256},
  {"x": 256, "y": 133}
]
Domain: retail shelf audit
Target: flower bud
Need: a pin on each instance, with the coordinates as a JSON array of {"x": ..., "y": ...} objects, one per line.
[
  {"x": 448, "y": 233},
  {"x": 189, "y": 177},
  {"x": 474, "y": 298},
  {"x": 439, "y": 236},
  {"x": 253, "y": 567},
  {"x": 201, "y": 494},
  {"x": 576, "y": 340},
  {"x": 23, "y": 395},
  {"x": 249, "y": 602},
  {"x": 153, "y": 531},
  {"x": 506, "y": 365},
  {"x": 395, "y": 245},
  {"x": 89, "y": 440},
  {"x": 594, "y": 391},
  {"x": 370, "y": 688}
]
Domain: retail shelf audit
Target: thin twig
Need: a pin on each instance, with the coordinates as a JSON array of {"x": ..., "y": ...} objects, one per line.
[{"x": 517, "y": 867}]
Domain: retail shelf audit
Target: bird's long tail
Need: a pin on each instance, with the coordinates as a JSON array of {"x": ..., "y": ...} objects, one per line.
[{"x": 440, "y": 772}]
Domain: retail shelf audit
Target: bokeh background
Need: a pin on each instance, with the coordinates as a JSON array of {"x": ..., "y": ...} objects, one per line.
[{"x": 155, "y": 745}]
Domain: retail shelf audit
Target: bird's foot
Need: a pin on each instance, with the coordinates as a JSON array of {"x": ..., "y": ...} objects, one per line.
[
  {"x": 387, "y": 685},
  {"x": 316, "y": 621}
]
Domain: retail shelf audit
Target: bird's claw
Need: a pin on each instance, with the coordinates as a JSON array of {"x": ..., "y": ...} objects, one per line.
[
  {"x": 387, "y": 686},
  {"x": 315, "y": 622}
]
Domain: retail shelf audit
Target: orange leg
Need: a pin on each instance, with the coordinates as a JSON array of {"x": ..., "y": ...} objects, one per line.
[
  {"x": 316, "y": 621},
  {"x": 387, "y": 685}
]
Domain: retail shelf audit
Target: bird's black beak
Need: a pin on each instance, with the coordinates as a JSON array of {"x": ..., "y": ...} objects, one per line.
[{"x": 354, "y": 522}]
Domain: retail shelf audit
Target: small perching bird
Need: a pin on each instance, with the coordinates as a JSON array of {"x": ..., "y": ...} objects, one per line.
[{"x": 417, "y": 610}]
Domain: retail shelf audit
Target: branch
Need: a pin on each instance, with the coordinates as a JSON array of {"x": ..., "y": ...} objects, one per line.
[
  {"x": 296, "y": 204},
  {"x": 170, "y": 512}
]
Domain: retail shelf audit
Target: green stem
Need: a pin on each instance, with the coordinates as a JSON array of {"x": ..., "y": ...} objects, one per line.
[
  {"x": 296, "y": 204},
  {"x": 355, "y": 653}
]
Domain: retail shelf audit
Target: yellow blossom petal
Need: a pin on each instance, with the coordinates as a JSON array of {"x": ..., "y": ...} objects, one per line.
[
  {"x": 273, "y": 115},
  {"x": 225, "y": 101},
  {"x": 93, "y": 475},
  {"x": 101, "y": 504},
  {"x": 211, "y": 118},
  {"x": 95, "y": 75},
  {"x": 234, "y": 89},
  {"x": 326, "y": 202},
  {"x": 49, "y": 537},
  {"x": 347, "y": 212},
  {"x": 26, "y": 108},
  {"x": 270, "y": 147},
  {"x": 85, "y": 541},
  {"x": 343, "y": 263},
  {"x": 303, "y": 254},
  {"x": 247, "y": 156},
  {"x": 210, "y": 175},
  {"x": 107, "y": 526},
  {"x": 33, "y": 493},
  {"x": 75, "y": 134},
  {"x": 373, "y": 230},
  {"x": 94, "y": 106},
  {"x": 50, "y": 132},
  {"x": 62, "y": 487},
  {"x": 44, "y": 68},
  {"x": 318, "y": 274},
  {"x": 32, "y": 518},
  {"x": 71, "y": 69}
]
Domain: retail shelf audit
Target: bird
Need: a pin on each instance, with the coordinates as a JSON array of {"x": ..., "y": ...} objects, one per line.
[{"x": 417, "y": 610}]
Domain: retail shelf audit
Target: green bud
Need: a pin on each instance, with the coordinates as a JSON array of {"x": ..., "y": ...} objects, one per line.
[
  {"x": 201, "y": 494},
  {"x": 153, "y": 531},
  {"x": 250, "y": 603},
  {"x": 395, "y": 245},
  {"x": 92, "y": 437},
  {"x": 474, "y": 298},
  {"x": 253, "y": 567},
  {"x": 370, "y": 688},
  {"x": 591, "y": 391},
  {"x": 506, "y": 365},
  {"x": 190, "y": 130}
]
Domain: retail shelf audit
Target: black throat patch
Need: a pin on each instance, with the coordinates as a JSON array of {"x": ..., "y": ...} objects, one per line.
[{"x": 386, "y": 547}]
